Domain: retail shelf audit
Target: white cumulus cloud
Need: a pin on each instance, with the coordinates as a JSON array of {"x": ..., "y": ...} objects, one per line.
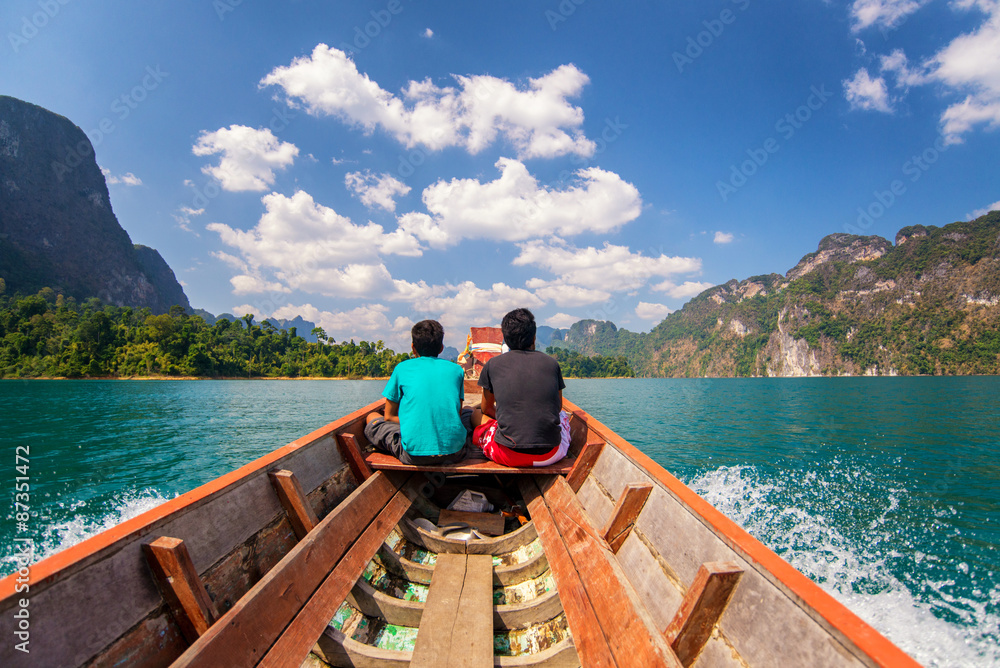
[
  {"x": 610, "y": 268},
  {"x": 126, "y": 179},
  {"x": 684, "y": 290},
  {"x": 249, "y": 156},
  {"x": 968, "y": 66},
  {"x": 252, "y": 284},
  {"x": 566, "y": 295},
  {"x": 184, "y": 216},
  {"x": 537, "y": 118},
  {"x": 885, "y": 14},
  {"x": 376, "y": 190},
  {"x": 464, "y": 305},
  {"x": 367, "y": 322},
  {"x": 863, "y": 92},
  {"x": 311, "y": 247},
  {"x": 516, "y": 207},
  {"x": 985, "y": 210},
  {"x": 561, "y": 320},
  {"x": 722, "y": 237},
  {"x": 652, "y": 312}
]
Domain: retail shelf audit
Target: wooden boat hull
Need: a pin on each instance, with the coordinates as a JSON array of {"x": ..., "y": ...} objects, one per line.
[{"x": 96, "y": 603}]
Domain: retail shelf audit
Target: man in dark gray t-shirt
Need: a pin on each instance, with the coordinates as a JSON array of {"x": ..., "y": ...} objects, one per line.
[{"x": 522, "y": 392}]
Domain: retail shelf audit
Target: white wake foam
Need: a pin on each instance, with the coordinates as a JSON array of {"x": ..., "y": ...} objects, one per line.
[
  {"x": 789, "y": 518},
  {"x": 85, "y": 522}
]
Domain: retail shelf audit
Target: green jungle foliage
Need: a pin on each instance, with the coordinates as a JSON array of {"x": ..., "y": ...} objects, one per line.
[
  {"x": 575, "y": 365},
  {"x": 48, "y": 335}
]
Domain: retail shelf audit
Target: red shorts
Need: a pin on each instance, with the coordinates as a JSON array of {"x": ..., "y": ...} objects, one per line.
[{"x": 484, "y": 434}]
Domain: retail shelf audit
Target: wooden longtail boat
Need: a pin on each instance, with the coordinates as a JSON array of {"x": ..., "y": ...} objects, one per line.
[{"x": 326, "y": 553}]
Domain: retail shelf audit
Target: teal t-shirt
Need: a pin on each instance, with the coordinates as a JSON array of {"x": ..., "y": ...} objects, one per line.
[{"x": 429, "y": 391}]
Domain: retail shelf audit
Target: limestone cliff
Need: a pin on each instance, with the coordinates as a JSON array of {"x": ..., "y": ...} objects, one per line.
[
  {"x": 57, "y": 228},
  {"x": 930, "y": 304}
]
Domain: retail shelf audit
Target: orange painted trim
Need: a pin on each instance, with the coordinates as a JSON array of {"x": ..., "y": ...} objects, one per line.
[
  {"x": 144, "y": 523},
  {"x": 872, "y": 643}
]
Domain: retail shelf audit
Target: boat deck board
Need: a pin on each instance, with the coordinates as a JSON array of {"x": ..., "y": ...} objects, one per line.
[
  {"x": 456, "y": 628},
  {"x": 380, "y": 461},
  {"x": 277, "y": 614},
  {"x": 610, "y": 625}
]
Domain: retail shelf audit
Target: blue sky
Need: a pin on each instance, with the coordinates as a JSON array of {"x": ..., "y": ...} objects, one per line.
[{"x": 367, "y": 165}]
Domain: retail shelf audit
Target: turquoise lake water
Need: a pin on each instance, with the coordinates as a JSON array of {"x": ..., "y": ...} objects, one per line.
[{"x": 886, "y": 491}]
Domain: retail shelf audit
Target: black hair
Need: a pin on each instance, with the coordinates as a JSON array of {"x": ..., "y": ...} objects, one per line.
[
  {"x": 428, "y": 338},
  {"x": 519, "y": 329}
]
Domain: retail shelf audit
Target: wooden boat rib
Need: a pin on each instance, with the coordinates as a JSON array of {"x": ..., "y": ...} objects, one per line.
[{"x": 303, "y": 556}]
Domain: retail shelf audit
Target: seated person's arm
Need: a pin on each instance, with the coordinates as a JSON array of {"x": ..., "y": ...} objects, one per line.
[
  {"x": 391, "y": 411},
  {"x": 489, "y": 404}
]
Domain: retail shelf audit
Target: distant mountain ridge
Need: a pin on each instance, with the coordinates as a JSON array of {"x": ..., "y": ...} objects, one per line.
[
  {"x": 57, "y": 228},
  {"x": 858, "y": 305}
]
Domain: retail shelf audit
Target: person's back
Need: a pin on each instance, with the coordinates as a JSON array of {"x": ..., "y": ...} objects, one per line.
[
  {"x": 522, "y": 392},
  {"x": 423, "y": 421},
  {"x": 527, "y": 386}
]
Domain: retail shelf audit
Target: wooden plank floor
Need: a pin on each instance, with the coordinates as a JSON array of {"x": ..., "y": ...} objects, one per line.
[{"x": 456, "y": 628}]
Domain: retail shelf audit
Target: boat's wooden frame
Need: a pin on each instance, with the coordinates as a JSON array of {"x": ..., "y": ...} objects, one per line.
[{"x": 617, "y": 526}]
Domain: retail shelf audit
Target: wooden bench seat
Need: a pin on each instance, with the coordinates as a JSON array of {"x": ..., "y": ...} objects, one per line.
[
  {"x": 279, "y": 620},
  {"x": 456, "y": 627},
  {"x": 576, "y": 466},
  {"x": 379, "y": 461},
  {"x": 609, "y": 624}
]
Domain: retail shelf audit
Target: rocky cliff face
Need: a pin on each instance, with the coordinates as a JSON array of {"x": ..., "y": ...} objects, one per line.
[
  {"x": 57, "y": 228},
  {"x": 857, "y": 306}
]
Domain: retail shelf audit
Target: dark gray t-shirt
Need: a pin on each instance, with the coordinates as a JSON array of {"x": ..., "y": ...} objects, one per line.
[{"x": 526, "y": 384}]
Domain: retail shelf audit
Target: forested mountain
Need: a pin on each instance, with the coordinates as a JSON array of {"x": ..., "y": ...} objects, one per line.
[{"x": 858, "y": 305}]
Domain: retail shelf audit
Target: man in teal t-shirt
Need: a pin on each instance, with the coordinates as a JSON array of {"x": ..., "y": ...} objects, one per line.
[{"x": 424, "y": 422}]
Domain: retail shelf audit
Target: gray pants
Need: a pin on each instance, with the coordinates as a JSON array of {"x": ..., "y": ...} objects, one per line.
[{"x": 385, "y": 436}]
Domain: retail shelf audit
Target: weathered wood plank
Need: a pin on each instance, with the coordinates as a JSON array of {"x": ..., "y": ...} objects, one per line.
[
  {"x": 623, "y": 517},
  {"x": 632, "y": 635},
  {"x": 294, "y": 644},
  {"x": 472, "y": 637},
  {"x": 177, "y": 579},
  {"x": 249, "y": 628},
  {"x": 456, "y": 628},
  {"x": 701, "y": 609},
  {"x": 433, "y": 646},
  {"x": 297, "y": 507},
  {"x": 490, "y": 524},
  {"x": 351, "y": 452},
  {"x": 591, "y": 644},
  {"x": 585, "y": 462}
]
